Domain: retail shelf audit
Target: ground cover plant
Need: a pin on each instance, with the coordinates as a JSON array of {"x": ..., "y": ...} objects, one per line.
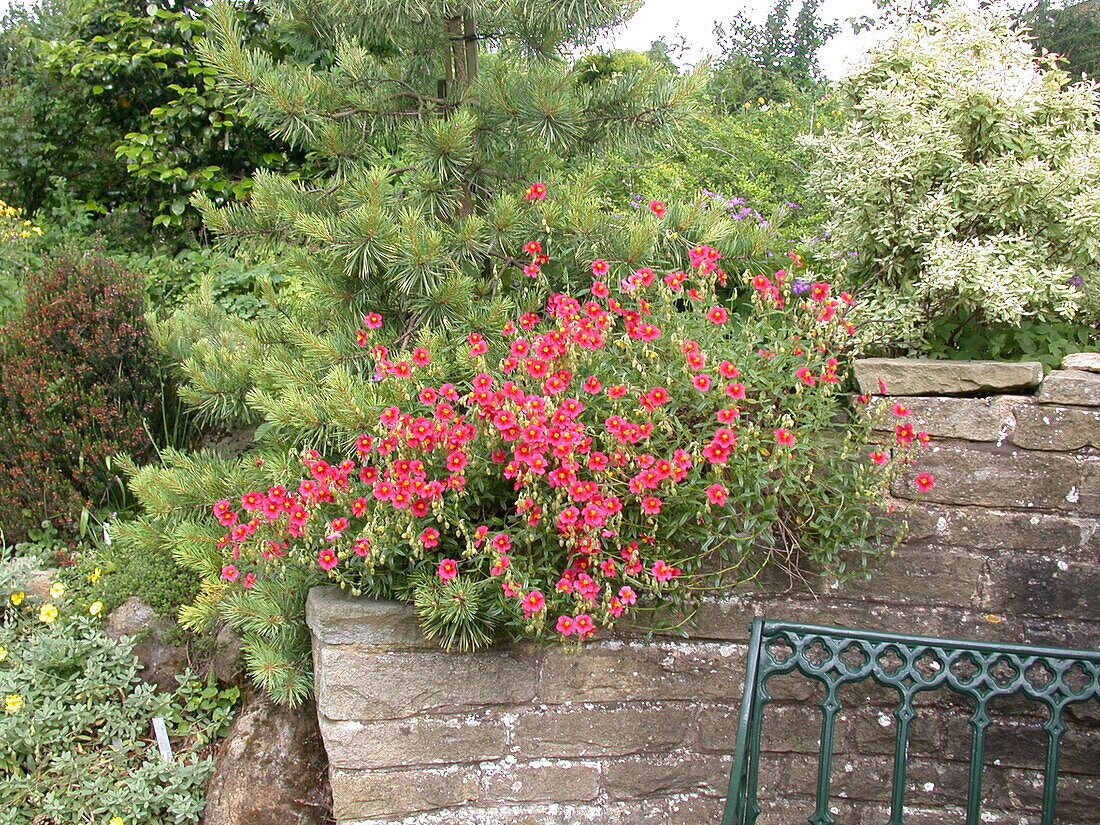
[{"x": 75, "y": 737}]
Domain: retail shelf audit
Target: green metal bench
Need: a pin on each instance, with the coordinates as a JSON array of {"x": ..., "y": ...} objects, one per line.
[{"x": 910, "y": 664}]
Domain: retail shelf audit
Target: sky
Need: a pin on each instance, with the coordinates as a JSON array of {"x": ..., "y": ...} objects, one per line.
[{"x": 694, "y": 21}]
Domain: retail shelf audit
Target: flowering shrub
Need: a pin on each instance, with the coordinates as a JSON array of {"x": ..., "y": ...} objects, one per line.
[
  {"x": 622, "y": 450},
  {"x": 78, "y": 380}
]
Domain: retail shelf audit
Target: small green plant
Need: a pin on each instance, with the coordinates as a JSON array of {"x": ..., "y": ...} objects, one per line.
[{"x": 76, "y": 743}]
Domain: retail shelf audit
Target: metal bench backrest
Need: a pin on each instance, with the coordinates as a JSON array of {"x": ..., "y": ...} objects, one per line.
[{"x": 910, "y": 664}]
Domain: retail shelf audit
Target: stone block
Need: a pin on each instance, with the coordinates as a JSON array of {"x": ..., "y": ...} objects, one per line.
[
  {"x": 360, "y": 682},
  {"x": 965, "y": 419},
  {"x": 991, "y": 530},
  {"x": 1000, "y": 480},
  {"x": 1075, "y": 387},
  {"x": 1088, "y": 361},
  {"x": 1044, "y": 586},
  {"x": 421, "y": 740},
  {"x": 650, "y": 775},
  {"x": 927, "y": 376},
  {"x": 624, "y": 671},
  {"x": 1088, "y": 497},
  {"x": 540, "y": 780},
  {"x": 589, "y": 730},
  {"x": 921, "y": 574},
  {"x": 336, "y": 617},
  {"x": 1048, "y": 427},
  {"x": 384, "y": 793}
]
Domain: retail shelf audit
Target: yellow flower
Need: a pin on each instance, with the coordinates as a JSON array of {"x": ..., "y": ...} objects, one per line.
[
  {"x": 13, "y": 703},
  {"x": 47, "y": 614},
  {"x": 17, "y": 598},
  {"x": 93, "y": 577},
  {"x": 57, "y": 590},
  {"x": 95, "y": 608},
  {"x": 3, "y": 653},
  {"x": 116, "y": 820}
]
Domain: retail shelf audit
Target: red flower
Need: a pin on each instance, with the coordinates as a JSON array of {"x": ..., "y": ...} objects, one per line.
[
  {"x": 565, "y": 625},
  {"x": 657, "y": 208},
  {"x": 718, "y": 315},
  {"x": 429, "y": 538},
  {"x": 600, "y": 267},
  {"x": 651, "y": 505},
  {"x": 533, "y": 602},
  {"x": 925, "y": 482},
  {"x": 327, "y": 559},
  {"x": 735, "y": 391},
  {"x": 532, "y": 247},
  {"x": 716, "y": 494},
  {"x": 535, "y": 192},
  {"x": 901, "y": 411},
  {"x": 784, "y": 437},
  {"x": 372, "y": 320},
  {"x": 701, "y": 382},
  {"x": 663, "y": 572},
  {"x": 805, "y": 376},
  {"x": 447, "y": 570},
  {"x": 230, "y": 573},
  {"x": 879, "y": 457}
]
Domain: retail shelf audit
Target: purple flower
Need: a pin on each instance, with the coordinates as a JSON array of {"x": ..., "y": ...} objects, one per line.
[
  {"x": 1078, "y": 280},
  {"x": 799, "y": 287}
]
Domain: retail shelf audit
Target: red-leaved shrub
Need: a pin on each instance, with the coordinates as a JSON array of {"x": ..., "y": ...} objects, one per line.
[{"x": 78, "y": 379}]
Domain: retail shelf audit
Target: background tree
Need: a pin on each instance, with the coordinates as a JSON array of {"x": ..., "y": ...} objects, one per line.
[{"x": 1070, "y": 29}]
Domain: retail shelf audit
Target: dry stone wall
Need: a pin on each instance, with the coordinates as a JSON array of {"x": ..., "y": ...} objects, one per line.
[{"x": 1005, "y": 548}]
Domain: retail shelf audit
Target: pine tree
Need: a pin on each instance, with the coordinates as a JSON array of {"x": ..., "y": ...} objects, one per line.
[{"x": 431, "y": 120}]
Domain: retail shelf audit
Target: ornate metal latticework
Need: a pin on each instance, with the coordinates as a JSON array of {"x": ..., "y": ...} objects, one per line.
[{"x": 909, "y": 664}]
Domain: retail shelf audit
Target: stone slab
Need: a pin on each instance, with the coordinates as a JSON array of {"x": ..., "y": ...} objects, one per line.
[
  {"x": 336, "y": 617},
  {"x": 401, "y": 792},
  {"x": 1018, "y": 479},
  {"x": 419, "y": 741},
  {"x": 928, "y": 376},
  {"x": 1048, "y": 427},
  {"x": 1088, "y": 361},
  {"x": 360, "y": 682},
  {"x": 1070, "y": 387},
  {"x": 995, "y": 530},
  {"x": 966, "y": 419}
]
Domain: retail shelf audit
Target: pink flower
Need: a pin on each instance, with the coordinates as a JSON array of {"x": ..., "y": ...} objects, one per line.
[
  {"x": 804, "y": 375},
  {"x": 327, "y": 559},
  {"x": 372, "y": 320},
  {"x": 502, "y": 564},
  {"x": 718, "y": 315},
  {"x": 532, "y": 270},
  {"x": 735, "y": 391},
  {"x": 429, "y": 538},
  {"x": 901, "y": 411},
  {"x": 532, "y": 248},
  {"x": 657, "y": 208},
  {"x": 663, "y": 572},
  {"x": 784, "y": 438},
  {"x": 565, "y": 625},
  {"x": 600, "y": 267},
  {"x": 447, "y": 570},
  {"x": 701, "y": 382},
  {"x": 651, "y": 505},
  {"x": 230, "y": 573},
  {"x": 879, "y": 457},
  {"x": 249, "y": 580},
  {"x": 533, "y": 602},
  {"x": 421, "y": 357},
  {"x": 716, "y": 494},
  {"x": 535, "y": 192},
  {"x": 583, "y": 625},
  {"x": 925, "y": 482}
]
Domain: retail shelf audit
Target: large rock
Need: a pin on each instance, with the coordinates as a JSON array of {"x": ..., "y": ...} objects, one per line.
[
  {"x": 1089, "y": 361},
  {"x": 1071, "y": 387},
  {"x": 968, "y": 419},
  {"x": 154, "y": 641},
  {"x": 270, "y": 769},
  {"x": 1044, "y": 427},
  {"x": 928, "y": 376}
]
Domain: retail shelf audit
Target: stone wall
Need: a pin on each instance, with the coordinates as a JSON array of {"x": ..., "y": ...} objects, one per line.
[{"x": 1006, "y": 547}]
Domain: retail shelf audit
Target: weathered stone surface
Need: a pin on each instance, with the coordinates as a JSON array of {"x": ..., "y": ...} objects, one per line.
[
  {"x": 618, "y": 671},
  {"x": 1088, "y": 497},
  {"x": 1045, "y": 427},
  {"x": 603, "y": 730},
  {"x": 400, "y": 793},
  {"x": 967, "y": 419},
  {"x": 927, "y": 376},
  {"x": 1000, "y": 480},
  {"x": 639, "y": 777},
  {"x": 1070, "y": 387},
  {"x": 396, "y": 683},
  {"x": 989, "y": 529},
  {"x": 1044, "y": 586},
  {"x": 420, "y": 740},
  {"x": 930, "y": 574},
  {"x": 541, "y": 780},
  {"x": 336, "y": 617},
  {"x": 1088, "y": 361},
  {"x": 154, "y": 640},
  {"x": 270, "y": 769},
  {"x": 226, "y": 662}
]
